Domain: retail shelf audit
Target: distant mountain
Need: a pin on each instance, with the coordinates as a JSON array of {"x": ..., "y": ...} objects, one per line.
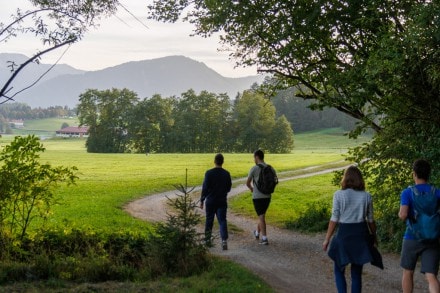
[
  {"x": 166, "y": 76},
  {"x": 31, "y": 72}
]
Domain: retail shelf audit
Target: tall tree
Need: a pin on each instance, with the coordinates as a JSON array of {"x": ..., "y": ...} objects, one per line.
[
  {"x": 281, "y": 138},
  {"x": 57, "y": 23},
  {"x": 151, "y": 124},
  {"x": 107, "y": 113},
  {"x": 255, "y": 120},
  {"x": 200, "y": 121}
]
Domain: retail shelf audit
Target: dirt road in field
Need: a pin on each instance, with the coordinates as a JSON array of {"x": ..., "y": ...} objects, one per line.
[{"x": 292, "y": 262}]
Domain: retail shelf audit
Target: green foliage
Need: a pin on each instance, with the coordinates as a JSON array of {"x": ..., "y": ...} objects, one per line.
[
  {"x": 221, "y": 276},
  {"x": 314, "y": 218},
  {"x": 194, "y": 123},
  {"x": 107, "y": 113},
  {"x": 176, "y": 242},
  {"x": 255, "y": 119},
  {"x": 79, "y": 255},
  {"x": 26, "y": 185},
  {"x": 302, "y": 118},
  {"x": 281, "y": 138}
]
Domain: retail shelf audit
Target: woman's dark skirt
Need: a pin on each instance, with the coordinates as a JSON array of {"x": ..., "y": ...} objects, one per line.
[{"x": 354, "y": 244}]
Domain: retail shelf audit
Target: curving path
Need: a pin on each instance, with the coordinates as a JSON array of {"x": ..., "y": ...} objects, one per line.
[{"x": 293, "y": 262}]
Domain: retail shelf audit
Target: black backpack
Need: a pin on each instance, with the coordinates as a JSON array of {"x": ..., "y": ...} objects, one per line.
[{"x": 267, "y": 180}]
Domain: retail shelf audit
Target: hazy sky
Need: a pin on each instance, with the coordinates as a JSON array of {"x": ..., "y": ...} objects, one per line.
[{"x": 121, "y": 38}]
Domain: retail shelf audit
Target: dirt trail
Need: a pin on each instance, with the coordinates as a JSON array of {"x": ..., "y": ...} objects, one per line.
[{"x": 293, "y": 262}]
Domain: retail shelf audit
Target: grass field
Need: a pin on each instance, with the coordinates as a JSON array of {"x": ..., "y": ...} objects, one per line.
[
  {"x": 44, "y": 127},
  {"x": 289, "y": 199},
  {"x": 108, "y": 181}
]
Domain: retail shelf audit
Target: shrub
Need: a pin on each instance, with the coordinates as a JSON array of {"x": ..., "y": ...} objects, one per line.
[
  {"x": 178, "y": 245},
  {"x": 313, "y": 219}
]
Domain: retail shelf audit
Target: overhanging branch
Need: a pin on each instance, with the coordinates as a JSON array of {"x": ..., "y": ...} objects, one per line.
[{"x": 5, "y": 88}]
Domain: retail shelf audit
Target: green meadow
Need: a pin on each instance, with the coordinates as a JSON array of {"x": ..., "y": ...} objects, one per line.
[
  {"x": 108, "y": 181},
  {"x": 289, "y": 199},
  {"x": 44, "y": 127}
]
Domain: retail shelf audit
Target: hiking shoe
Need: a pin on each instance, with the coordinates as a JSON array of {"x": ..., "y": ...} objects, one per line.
[
  {"x": 224, "y": 245},
  {"x": 256, "y": 235},
  {"x": 264, "y": 242}
]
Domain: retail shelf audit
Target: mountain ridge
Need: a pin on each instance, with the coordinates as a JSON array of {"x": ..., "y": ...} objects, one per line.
[{"x": 167, "y": 76}]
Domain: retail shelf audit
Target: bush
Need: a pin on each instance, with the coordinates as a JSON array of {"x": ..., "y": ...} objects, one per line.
[
  {"x": 313, "y": 219},
  {"x": 79, "y": 255}
]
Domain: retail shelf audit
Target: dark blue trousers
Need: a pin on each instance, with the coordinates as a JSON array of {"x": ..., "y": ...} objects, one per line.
[
  {"x": 219, "y": 210},
  {"x": 356, "y": 279}
]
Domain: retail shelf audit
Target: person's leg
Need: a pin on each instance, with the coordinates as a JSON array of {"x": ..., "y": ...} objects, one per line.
[
  {"x": 262, "y": 225},
  {"x": 341, "y": 283},
  {"x": 257, "y": 205},
  {"x": 407, "y": 281},
  {"x": 430, "y": 262},
  {"x": 262, "y": 217},
  {"x": 210, "y": 214},
  {"x": 221, "y": 217},
  {"x": 434, "y": 286},
  {"x": 408, "y": 260},
  {"x": 356, "y": 278}
]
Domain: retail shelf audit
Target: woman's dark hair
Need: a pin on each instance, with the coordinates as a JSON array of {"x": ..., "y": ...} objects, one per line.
[
  {"x": 219, "y": 159},
  {"x": 422, "y": 168},
  {"x": 259, "y": 154},
  {"x": 353, "y": 179}
]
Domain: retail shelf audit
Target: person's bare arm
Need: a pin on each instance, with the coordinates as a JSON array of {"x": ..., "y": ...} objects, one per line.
[
  {"x": 330, "y": 230},
  {"x": 249, "y": 184},
  {"x": 403, "y": 212}
]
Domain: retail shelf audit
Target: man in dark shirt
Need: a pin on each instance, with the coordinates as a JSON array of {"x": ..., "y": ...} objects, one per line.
[{"x": 216, "y": 185}]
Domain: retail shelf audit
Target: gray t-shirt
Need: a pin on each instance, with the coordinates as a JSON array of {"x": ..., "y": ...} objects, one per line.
[
  {"x": 352, "y": 206},
  {"x": 254, "y": 174}
]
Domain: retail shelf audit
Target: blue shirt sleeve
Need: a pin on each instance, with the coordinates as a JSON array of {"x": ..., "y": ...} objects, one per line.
[
  {"x": 405, "y": 197},
  {"x": 437, "y": 192}
]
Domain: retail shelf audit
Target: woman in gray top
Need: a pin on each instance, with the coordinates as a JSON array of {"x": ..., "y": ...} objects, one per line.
[{"x": 354, "y": 242}]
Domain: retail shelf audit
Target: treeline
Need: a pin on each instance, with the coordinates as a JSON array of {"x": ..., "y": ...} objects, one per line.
[
  {"x": 302, "y": 118},
  {"x": 21, "y": 111},
  {"x": 192, "y": 123}
]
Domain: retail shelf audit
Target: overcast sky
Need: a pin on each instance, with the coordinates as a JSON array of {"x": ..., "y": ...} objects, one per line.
[{"x": 121, "y": 38}]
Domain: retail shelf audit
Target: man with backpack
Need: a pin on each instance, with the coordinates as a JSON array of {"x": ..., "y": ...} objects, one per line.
[
  {"x": 419, "y": 206},
  {"x": 261, "y": 182}
]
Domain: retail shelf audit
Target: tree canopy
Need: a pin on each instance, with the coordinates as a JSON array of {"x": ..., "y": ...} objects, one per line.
[{"x": 192, "y": 123}]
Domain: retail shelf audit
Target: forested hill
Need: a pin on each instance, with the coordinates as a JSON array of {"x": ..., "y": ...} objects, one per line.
[{"x": 166, "y": 76}]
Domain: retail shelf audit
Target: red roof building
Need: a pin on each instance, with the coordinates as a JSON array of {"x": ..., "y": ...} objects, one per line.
[{"x": 73, "y": 131}]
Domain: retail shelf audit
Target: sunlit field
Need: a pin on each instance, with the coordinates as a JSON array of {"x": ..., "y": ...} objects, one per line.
[
  {"x": 108, "y": 181},
  {"x": 289, "y": 199}
]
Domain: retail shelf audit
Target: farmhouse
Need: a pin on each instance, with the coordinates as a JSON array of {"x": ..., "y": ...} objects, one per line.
[
  {"x": 73, "y": 131},
  {"x": 16, "y": 123}
]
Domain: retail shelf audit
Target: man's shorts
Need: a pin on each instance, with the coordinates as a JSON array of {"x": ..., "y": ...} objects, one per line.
[
  {"x": 261, "y": 205},
  {"x": 428, "y": 253}
]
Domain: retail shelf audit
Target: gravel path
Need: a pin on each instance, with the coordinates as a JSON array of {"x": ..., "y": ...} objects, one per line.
[{"x": 293, "y": 262}]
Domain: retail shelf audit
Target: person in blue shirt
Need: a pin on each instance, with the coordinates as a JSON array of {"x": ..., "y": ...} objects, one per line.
[
  {"x": 412, "y": 248},
  {"x": 216, "y": 185}
]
